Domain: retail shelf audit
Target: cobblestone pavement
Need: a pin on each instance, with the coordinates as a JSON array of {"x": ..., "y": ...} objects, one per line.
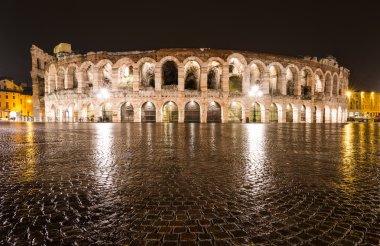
[{"x": 189, "y": 184}]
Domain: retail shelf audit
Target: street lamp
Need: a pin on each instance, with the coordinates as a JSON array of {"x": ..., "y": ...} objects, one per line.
[
  {"x": 103, "y": 94},
  {"x": 255, "y": 93}
]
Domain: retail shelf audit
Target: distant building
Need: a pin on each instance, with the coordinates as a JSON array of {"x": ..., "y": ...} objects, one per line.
[
  {"x": 363, "y": 104},
  {"x": 15, "y": 104}
]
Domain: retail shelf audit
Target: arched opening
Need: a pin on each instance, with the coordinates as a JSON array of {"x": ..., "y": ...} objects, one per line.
[
  {"x": 306, "y": 83},
  {"x": 90, "y": 113},
  {"x": 170, "y": 112},
  {"x": 38, "y": 63},
  {"x": 126, "y": 76},
  {"x": 87, "y": 76},
  {"x": 214, "y": 74},
  {"x": 289, "y": 113},
  {"x": 318, "y": 84},
  {"x": 192, "y": 112},
  {"x": 335, "y": 85},
  {"x": 147, "y": 75},
  {"x": 274, "y": 80},
  {"x": 236, "y": 70},
  {"x": 106, "y": 75},
  {"x": 255, "y": 113},
  {"x": 315, "y": 114},
  {"x": 72, "y": 81},
  {"x": 148, "y": 112},
  {"x": 303, "y": 113},
  {"x": 170, "y": 73},
  {"x": 235, "y": 112},
  {"x": 192, "y": 75},
  {"x": 60, "y": 79},
  {"x": 255, "y": 75},
  {"x": 214, "y": 113},
  {"x": 273, "y": 113},
  {"x": 106, "y": 112},
  {"x": 290, "y": 81},
  {"x": 126, "y": 112},
  {"x": 53, "y": 114},
  {"x": 328, "y": 84}
]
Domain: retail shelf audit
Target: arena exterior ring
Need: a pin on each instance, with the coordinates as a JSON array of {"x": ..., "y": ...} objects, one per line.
[{"x": 187, "y": 85}]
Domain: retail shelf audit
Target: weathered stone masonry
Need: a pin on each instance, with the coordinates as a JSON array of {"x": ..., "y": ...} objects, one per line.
[{"x": 187, "y": 85}]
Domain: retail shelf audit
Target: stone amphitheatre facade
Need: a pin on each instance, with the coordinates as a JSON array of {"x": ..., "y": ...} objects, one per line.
[{"x": 187, "y": 85}]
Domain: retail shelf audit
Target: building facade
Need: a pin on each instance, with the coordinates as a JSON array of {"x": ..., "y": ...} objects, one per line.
[
  {"x": 14, "y": 103},
  {"x": 187, "y": 85},
  {"x": 363, "y": 105}
]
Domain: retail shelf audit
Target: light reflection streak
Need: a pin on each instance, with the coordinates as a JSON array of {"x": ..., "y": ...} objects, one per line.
[{"x": 28, "y": 170}]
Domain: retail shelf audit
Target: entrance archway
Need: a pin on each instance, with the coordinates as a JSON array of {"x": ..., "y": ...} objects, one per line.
[
  {"x": 214, "y": 113},
  {"x": 235, "y": 112},
  {"x": 192, "y": 112},
  {"x": 148, "y": 112},
  {"x": 273, "y": 113},
  {"x": 289, "y": 113},
  {"x": 106, "y": 112},
  {"x": 90, "y": 113},
  {"x": 126, "y": 112},
  {"x": 303, "y": 114},
  {"x": 255, "y": 113},
  {"x": 170, "y": 112}
]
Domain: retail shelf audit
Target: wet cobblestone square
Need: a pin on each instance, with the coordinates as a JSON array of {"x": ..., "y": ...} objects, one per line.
[{"x": 189, "y": 184}]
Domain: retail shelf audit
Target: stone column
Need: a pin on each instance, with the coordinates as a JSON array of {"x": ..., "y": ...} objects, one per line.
[
  {"x": 181, "y": 78},
  {"x": 181, "y": 114},
  {"x": 246, "y": 80},
  {"x": 115, "y": 79},
  {"x": 158, "y": 76},
  {"x": 79, "y": 76},
  {"x": 265, "y": 83},
  {"x": 225, "y": 78},
  {"x": 136, "y": 78},
  {"x": 203, "y": 78},
  {"x": 95, "y": 80}
]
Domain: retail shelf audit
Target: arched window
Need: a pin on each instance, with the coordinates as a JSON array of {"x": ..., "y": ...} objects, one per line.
[
  {"x": 170, "y": 73},
  {"x": 192, "y": 75},
  {"x": 147, "y": 75},
  {"x": 236, "y": 75},
  {"x": 214, "y": 73}
]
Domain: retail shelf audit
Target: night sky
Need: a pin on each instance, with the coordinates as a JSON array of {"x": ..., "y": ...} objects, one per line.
[{"x": 348, "y": 31}]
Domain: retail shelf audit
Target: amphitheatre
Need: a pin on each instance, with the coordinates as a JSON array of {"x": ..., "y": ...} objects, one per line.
[{"x": 186, "y": 85}]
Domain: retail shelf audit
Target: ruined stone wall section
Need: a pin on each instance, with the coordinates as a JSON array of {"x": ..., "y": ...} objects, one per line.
[{"x": 325, "y": 81}]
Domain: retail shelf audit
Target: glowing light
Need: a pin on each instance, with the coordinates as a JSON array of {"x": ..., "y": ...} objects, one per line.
[
  {"x": 12, "y": 114},
  {"x": 29, "y": 101},
  {"x": 348, "y": 93},
  {"x": 103, "y": 94},
  {"x": 255, "y": 91}
]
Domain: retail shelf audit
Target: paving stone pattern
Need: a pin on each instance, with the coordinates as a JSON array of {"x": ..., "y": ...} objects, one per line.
[{"x": 189, "y": 184}]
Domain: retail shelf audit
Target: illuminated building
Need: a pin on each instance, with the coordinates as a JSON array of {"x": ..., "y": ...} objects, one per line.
[
  {"x": 14, "y": 103},
  {"x": 186, "y": 85},
  {"x": 363, "y": 104}
]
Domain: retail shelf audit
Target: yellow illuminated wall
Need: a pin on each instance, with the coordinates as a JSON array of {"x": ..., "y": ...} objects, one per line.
[
  {"x": 13, "y": 101},
  {"x": 364, "y": 104}
]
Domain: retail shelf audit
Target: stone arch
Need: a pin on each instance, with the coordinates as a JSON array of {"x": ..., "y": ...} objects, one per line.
[
  {"x": 146, "y": 66},
  {"x": 52, "y": 116},
  {"x": 214, "y": 73},
  {"x": 104, "y": 69},
  {"x": 87, "y": 73},
  {"x": 148, "y": 112},
  {"x": 315, "y": 118},
  {"x": 52, "y": 76},
  {"x": 302, "y": 112},
  {"x": 276, "y": 71},
  {"x": 126, "y": 112},
  {"x": 169, "y": 112},
  {"x": 124, "y": 67},
  {"x": 306, "y": 82},
  {"x": 257, "y": 112},
  {"x": 192, "y": 71},
  {"x": 236, "y": 71},
  {"x": 60, "y": 79},
  {"x": 290, "y": 113},
  {"x": 319, "y": 81},
  {"x": 328, "y": 83},
  {"x": 105, "y": 112},
  {"x": 239, "y": 57},
  {"x": 214, "y": 112},
  {"x": 335, "y": 84},
  {"x": 71, "y": 76},
  {"x": 235, "y": 112},
  {"x": 169, "y": 71},
  {"x": 274, "y": 112},
  {"x": 192, "y": 112},
  {"x": 256, "y": 72},
  {"x": 291, "y": 78}
]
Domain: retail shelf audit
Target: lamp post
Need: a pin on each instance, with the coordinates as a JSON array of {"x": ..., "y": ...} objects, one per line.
[{"x": 255, "y": 93}]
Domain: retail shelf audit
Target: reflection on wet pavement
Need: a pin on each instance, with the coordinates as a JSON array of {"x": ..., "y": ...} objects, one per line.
[{"x": 189, "y": 184}]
